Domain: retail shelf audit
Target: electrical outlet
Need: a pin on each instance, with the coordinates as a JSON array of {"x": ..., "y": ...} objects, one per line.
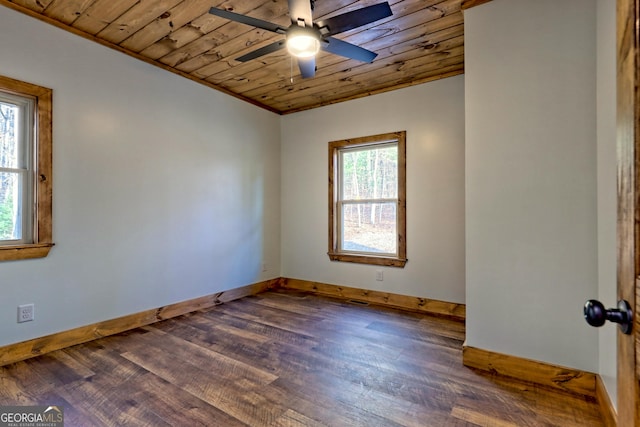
[
  {"x": 26, "y": 313},
  {"x": 379, "y": 275},
  {"x": 265, "y": 267}
]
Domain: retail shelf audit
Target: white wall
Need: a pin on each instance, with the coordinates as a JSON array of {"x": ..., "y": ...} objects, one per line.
[
  {"x": 531, "y": 179},
  {"x": 433, "y": 116},
  {"x": 607, "y": 189},
  {"x": 164, "y": 190}
]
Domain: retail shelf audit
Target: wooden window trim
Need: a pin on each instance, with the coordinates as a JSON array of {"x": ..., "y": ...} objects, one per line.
[
  {"x": 43, "y": 211},
  {"x": 334, "y": 254}
]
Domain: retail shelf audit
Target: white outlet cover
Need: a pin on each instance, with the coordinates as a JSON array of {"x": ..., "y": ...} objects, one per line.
[{"x": 26, "y": 313}]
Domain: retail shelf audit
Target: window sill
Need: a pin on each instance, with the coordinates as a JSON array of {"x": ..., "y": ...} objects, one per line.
[
  {"x": 37, "y": 250},
  {"x": 368, "y": 259}
]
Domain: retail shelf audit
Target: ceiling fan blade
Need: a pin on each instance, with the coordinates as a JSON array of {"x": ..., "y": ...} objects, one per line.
[
  {"x": 348, "y": 50},
  {"x": 354, "y": 19},
  {"x": 307, "y": 67},
  {"x": 301, "y": 9},
  {"x": 243, "y": 19},
  {"x": 270, "y": 48}
]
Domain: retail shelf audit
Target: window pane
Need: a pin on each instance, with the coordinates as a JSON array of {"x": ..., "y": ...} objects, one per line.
[
  {"x": 370, "y": 173},
  {"x": 10, "y": 206},
  {"x": 8, "y": 135},
  {"x": 369, "y": 227}
]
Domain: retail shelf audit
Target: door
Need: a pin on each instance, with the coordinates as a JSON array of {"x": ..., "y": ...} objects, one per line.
[{"x": 628, "y": 148}]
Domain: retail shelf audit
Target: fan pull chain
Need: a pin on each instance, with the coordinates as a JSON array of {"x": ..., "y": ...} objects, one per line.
[{"x": 291, "y": 69}]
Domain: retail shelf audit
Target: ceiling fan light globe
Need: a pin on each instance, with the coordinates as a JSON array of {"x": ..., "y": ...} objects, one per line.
[{"x": 303, "y": 45}]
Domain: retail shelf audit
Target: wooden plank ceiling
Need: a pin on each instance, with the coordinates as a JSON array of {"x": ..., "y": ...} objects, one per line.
[{"x": 420, "y": 42}]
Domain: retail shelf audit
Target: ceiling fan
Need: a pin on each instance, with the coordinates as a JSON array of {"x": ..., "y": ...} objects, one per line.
[{"x": 305, "y": 38}]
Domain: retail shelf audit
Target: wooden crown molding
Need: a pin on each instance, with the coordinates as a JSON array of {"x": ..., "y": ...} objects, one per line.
[{"x": 468, "y": 4}]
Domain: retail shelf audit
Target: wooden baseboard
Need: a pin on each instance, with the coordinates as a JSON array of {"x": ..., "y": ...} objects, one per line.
[
  {"x": 608, "y": 411},
  {"x": 422, "y": 305},
  {"x": 555, "y": 377},
  {"x": 24, "y": 350}
]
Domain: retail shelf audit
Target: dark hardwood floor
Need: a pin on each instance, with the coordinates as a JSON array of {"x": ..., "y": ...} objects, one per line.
[{"x": 285, "y": 359}]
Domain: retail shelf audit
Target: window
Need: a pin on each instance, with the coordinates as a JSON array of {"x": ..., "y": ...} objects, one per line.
[
  {"x": 25, "y": 170},
  {"x": 367, "y": 203}
]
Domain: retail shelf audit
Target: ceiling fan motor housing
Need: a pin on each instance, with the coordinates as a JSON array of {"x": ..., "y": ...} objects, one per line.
[{"x": 303, "y": 42}]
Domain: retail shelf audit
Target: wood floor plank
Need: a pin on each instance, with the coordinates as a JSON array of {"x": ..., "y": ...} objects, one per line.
[
  {"x": 292, "y": 418},
  {"x": 480, "y": 419},
  {"x": 12, "y": 391},
  {"x": 328, "y": 406},
  {"x": 233, "y": 389},
  {"x": 286, "y": 358},
  {"x": 180, "y": 408},
  {"x": 204, "y": 358}
]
